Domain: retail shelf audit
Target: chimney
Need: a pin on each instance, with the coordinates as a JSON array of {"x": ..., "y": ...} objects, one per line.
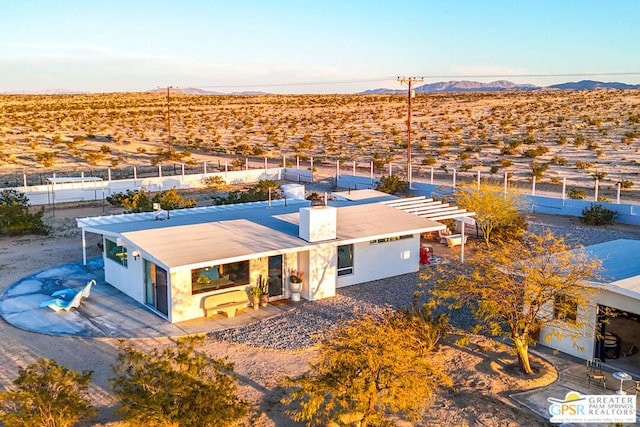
[{"x": 318, "y": 223}]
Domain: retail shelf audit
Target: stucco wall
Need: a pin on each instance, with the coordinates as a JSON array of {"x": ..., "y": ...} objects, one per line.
[
  {"x": 588, "y": 316},
  {"x": 381, "y": 260},
  {"x": 321, "y": 273}
]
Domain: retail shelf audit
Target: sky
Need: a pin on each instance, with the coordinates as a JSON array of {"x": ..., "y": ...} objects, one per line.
[{"x": 311, "y": 46}]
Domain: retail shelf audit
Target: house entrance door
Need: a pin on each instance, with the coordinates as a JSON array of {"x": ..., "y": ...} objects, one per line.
[
  {"x": 156, "y": 294},
  {"x": 275, "y": 276}
]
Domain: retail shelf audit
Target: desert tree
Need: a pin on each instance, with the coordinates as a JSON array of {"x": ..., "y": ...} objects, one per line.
[
  {"x": 15, "y": 217},
  {"x": 368, "y": 368},
  {"x": 494, "y": 210},
  {"x": 177, "y": 385},
  {"x": 391, "y": 184},
  {"x": 46, "y": 395},
  {"x": 514, "y": 288}
]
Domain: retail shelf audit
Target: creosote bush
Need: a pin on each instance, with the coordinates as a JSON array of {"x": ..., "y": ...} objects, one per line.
[
  {"x": 15, "y": 217},
  {"x": 598, "y": 215},
  {"x": 46, "y": 395},
  {"x": 391, "y": 184}
]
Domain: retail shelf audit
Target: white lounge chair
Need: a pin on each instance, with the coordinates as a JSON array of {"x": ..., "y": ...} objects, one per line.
[
  {"x": 68, "y": 294},
  {"x": 60, "y": 304}
]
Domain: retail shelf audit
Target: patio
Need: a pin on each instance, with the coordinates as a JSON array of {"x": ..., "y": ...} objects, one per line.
[{"x": 107, "y": 312}]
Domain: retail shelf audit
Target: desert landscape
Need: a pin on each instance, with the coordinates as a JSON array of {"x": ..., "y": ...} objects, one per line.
[
  {"x": 484, "y": 374},
  {"x": 552, "y": 135},
  {"x": 578, "y": 135}
]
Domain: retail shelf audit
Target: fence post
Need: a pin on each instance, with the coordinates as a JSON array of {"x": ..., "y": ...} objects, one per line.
[
  {"x": 311, "y": 168},
  {"x": 109, "y": 174},
  {"x": 337, "y": 171},
  {"x": 135, "y": 173},
  {"x": 618, "y": 192},
  {"x": 431, "y": 175},
  {"x": 454, "y": 178},
  {"x": 564, "y": 188},
  {"x": 371, "y": 174},
  {"x": 505, "y": 184},
  {"x": 533, "y": 186},
  {"x": 478, "y": 180},
  {"x": 24, "y": 181},
  {"x": 597, "y": 185},
  {"x": 297, "y": 162},
  {"x": 204, "y": 167}
]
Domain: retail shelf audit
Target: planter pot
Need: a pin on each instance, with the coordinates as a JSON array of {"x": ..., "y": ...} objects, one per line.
[
  {"x": 255, "y": 301},
  {"x": 264, "y": 300},
  {"x": 295, "y": 288}
]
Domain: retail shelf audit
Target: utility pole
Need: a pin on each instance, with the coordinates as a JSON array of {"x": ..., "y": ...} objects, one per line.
[{"x": 411, "y": 94}]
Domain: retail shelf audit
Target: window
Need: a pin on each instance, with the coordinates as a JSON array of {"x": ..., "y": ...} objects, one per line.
[
  {"x": 345, "y": 260},
  {"x": 221, "y": 276},
  {"x": 390, "y": 239},
  {"x": 565, "y": 307},
  {"x": 115, "y": 252}
]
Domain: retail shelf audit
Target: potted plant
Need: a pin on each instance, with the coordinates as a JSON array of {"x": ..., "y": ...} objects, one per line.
[
  {"x": 255, "y": 292},
  {"x": 264, "y": 296},
  {"x": 295, "y": 284}
]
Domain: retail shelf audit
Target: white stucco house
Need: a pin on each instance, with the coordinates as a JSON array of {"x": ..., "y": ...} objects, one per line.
[
  {"x": 171, "y": 262},
  {"x": 618, "y": 291}
]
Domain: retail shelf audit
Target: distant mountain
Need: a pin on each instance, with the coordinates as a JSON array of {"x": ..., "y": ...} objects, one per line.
[
  {"x": 197, "y": 91},
  {"x": 500, "y": 85},
  {"x": 469, "y": 86},
  {"x": 186, "y": 91},
  {"x": 591, "y": 85},
  {"x": 382, "y": 91}
]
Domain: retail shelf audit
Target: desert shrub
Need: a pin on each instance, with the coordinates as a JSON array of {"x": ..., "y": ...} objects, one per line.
[
  {"x": 598, "y": 175},
  {"x": 370, "y": 368},
  {"x": 176, "y": 386},
  {"x": 583, "y": 165},
  {"x": 559, "y": 160},
  {"x": 391, "y": 184},
  {"x": 626, "y": 184},
  {"x": 141, "y": 201},
  {"x": 494, "y": 169},
  {"x": 15, "y": 217},
  {"x": 535, "y": 152},
  {"x": 45, "y": 158},
  {"x": 538, "y": 169},
  {"x": 214, "y": 182},
  {"x": 598, "y": 215},
  {"x": 429, "y": 161},
  {"x": 46, "y": 394},
  {"x": 257, "y": 193},
  {"x": 576, "y": 194}
]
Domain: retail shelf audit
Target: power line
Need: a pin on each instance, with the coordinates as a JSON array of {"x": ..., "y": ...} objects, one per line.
[{"x": 426, "y": 76}]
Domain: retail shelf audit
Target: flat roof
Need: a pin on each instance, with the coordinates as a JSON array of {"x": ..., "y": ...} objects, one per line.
[
  {"x": 620, "y": 263},
  {"x": 253, "y": 231}
]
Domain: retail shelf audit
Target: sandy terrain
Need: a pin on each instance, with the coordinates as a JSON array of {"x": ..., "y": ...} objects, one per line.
[
  {"x": 575, "y": 135},
  {"x": 483, "y": 374}
]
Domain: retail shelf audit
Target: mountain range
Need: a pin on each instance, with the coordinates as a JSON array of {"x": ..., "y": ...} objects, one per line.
[
  {"x": 438, "y": 87},
  {"x": 502, "y": 85}
]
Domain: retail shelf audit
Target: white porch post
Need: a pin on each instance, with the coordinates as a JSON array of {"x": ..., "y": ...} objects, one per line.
[{"x": 84, "y": 248}]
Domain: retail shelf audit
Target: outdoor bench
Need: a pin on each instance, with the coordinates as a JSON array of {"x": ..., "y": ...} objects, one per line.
[{"x": 228, "y": 302}]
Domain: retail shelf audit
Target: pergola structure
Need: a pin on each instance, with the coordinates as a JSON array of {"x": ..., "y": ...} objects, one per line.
[{"x": 428, "y": 208}]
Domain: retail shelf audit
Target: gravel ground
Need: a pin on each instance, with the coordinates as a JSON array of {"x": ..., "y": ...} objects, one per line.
[{"x": 307, "y": 323}]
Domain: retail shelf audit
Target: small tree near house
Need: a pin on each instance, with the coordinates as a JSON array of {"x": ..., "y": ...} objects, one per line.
[
  {"x": 46, "y": 395},
  {"x": 368, "y": 368},
  {"x": 515, "y": 287}
]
